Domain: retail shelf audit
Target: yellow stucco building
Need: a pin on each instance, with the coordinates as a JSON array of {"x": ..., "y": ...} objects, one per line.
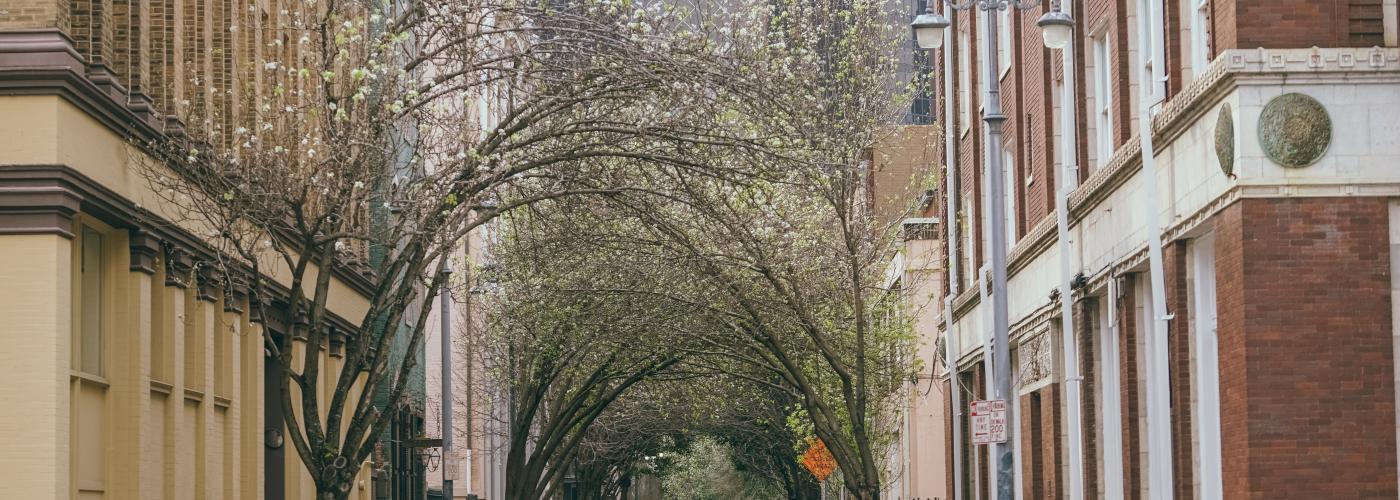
[{"x": 128, "y": 372}]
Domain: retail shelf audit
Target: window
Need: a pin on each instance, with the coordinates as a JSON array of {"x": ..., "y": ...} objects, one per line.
[
  {"x": 88, "y": 387},
  {"x": 1004, "y": 41},
  {"x": 1151, "y": 20},
  {"x": 1102, "y": 86},
  {"x": 1008, "y": 170},
  {"x": 1109, "y": 395},
  {"x": 964, "y": 83},
  {"x": 967, "y": 249},
  {"x": 1200, "y": 36},
  {"x": 1195, "y": 39},
  {"x": 983, "y": 25},
  {"x": 87, "y": 351},
  {"x": 1057, "y": 89},
  {"x": 1205, "y": 369},
  {"x": 921, "y": 77}
]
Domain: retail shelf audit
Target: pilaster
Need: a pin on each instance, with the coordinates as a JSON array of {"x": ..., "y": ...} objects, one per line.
[{"x": 36, "y": 304}]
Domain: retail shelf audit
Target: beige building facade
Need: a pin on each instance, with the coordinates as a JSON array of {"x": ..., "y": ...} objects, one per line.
[
  {"x": 132, "y": 370},
  {"x": 905, "y": 196}
]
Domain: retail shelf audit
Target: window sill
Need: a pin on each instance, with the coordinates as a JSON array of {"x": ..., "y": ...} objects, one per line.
[{"x": 90, "y": 378}]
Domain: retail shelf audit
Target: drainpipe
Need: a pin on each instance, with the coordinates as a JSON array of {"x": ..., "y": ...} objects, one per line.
[
  {"x": 1112, "y": 397},
  {"x": 950, "y": 159},
  {"x": 1158, "y": 402},
  {"x": 1068, "y": 182}
]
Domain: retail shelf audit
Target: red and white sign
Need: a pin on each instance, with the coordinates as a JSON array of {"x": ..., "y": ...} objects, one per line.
[{"x": 989, "y": 422}]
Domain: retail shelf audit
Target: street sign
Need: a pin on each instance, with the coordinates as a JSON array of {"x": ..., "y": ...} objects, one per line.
[
  {"x": 989, "y": 421},
  {"x": 452, "y": 465}
]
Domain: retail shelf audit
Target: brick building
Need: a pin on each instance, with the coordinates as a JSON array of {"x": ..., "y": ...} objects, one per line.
[
  {"x": 128, "y": 372},
  {"x": 1275, "y": 127}
]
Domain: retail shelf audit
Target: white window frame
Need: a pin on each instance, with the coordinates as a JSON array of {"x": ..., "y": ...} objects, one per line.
[
  {"x": 1150, "y": 17},
  {"x": 1057, "y": 100},
  {"x": 968, "y": 248},
  {"x": 1200, "y": 36},
  {"x": 1103, "y": 100},
  {"x": 1004, "y": 42},
  {"x": 1205, "y": 376},
  {"x": 964, "y": 82},
  {"x": 1110, "y": 394},
  {"x": 1008, "y": 170}
]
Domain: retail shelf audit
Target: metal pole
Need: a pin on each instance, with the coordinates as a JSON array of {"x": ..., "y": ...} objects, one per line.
[
  {"x": 445, "y": 308},
  {"x": 951, "y": 222},
  {"x": 1067, "y": 272},
  {"x": 1001, "y": 340},
  {"x": 1158, "y": 390}
]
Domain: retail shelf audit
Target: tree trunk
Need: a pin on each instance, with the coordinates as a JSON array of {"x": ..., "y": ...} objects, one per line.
[{"x": 335, "y": 491}]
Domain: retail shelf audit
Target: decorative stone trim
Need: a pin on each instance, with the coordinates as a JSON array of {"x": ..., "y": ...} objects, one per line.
[
  {"x": 1225, "y": 140},
  {"x": 257, "y": 303},
  {"x": 178, "y": 265},
  {"x": 208, "y": 281},
  {"x": 1294, "y": 130},
  {"x": 102, "y": 76},
  {"x": 336, "y": 342},
  {"x": 235, "y": 292},
  {"x": 145, "y": 250},
  {"x": 44, "y": 62},
  {"x": 39, "y": 48},
  {"x": 42, "y": 199},
  {"x": 300, "y": 324},
  {"x": 38, "y": 209},
  {"x": 1035, "y": 355}
]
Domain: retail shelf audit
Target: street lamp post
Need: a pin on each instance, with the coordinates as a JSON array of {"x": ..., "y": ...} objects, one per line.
[
  {"x": 449, "y": 465},
  {"x": 928, "y": 30}
]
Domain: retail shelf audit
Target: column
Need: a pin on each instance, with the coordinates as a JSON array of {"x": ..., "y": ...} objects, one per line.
[{"x": 36, "y": 303}]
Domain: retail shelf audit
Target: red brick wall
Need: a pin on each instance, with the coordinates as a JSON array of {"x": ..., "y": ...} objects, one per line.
[
  {"x": 1028, "y": 438},
  {"x": 1051, "y": 452},
  {"x": 1085, "y": 317},
  {"x": 1307, "y": 381},
  {"x": 1285, "y": 24},
  {"x": 1179, "y": 368},
  {"x": 949, "y": 420},
  {"x": 970, "y": 153},
  {"x": 1128, "y": 393},
  {"x": 1039, "y": 439}
]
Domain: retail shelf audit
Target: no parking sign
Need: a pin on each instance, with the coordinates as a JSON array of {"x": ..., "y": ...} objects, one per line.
[{"x": 989, "y": 421}]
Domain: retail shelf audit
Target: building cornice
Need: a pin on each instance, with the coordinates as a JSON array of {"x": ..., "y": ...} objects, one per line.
[{"x": 42, "y": 199}]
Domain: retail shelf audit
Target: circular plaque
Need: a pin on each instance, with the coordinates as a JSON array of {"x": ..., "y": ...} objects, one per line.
[
  {"x": 1225, "y": 141},
  {"x": 1294, "y": 130}
]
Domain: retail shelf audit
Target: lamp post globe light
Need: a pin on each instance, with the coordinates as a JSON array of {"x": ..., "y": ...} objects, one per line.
[
  {"x": 928, "y": 28},
  {"x": 1057, "y": 29}
]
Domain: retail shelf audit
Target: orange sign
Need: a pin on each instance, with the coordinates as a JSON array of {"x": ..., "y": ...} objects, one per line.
[{"x": 818, "y": 460}]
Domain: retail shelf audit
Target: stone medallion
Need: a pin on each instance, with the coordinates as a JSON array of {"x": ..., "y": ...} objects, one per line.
[
  {"x": 1294, "y": 130},
  {"x": 1225, "y": 141}
]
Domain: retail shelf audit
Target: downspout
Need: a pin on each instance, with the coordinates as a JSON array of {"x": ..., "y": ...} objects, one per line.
[
  {"x": 1071, "y": 348},
  {"x": 950, "y": 161},
  {"x": 1112, "y": 399},
  {"x": 1158, "y": 402}
]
